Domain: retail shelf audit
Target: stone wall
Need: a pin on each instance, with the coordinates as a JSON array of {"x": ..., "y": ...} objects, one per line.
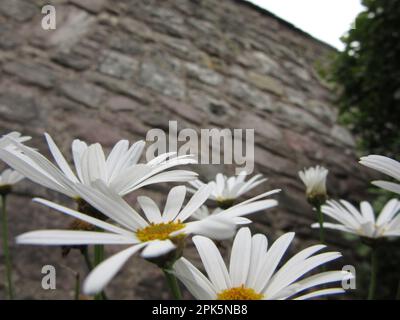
[{"x": 115, "y": 69}]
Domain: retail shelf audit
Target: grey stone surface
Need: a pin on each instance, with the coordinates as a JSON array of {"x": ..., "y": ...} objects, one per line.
[
  {"x": 32, "y": 73},
  {"x": 162, "y": 80},
  {"x": 17, "y": 108},
  {"x": 19, "y": 10},
  {"x": 93, "y": 6},
  {"x": 118, "y": 65},
  {"x": 115, "y": 69},
  {"x": 85, "y": 93},
  {"x": 75, "y": 23},
  {"x": 205, "y": 75},
  {"x": 250, "y": 96}
]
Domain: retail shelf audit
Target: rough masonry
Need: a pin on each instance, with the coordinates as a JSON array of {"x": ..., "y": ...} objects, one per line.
[{"x": 115, "y": 69}]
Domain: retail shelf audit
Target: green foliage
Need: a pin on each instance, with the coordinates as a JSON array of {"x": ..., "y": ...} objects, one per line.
[{"x": 368, "y": 75}]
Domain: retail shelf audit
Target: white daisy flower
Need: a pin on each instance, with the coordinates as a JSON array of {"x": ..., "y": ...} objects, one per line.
[
  {"x": 156, "y": 236},
  {"x": 314, "y": 178},
  {"x": 253, "y": 273},
  {"x": 387, "y": 166},
  {"x": 5, "y": 142},
  {"x": 120, "y": 170},
  {"x": 10, "y": 177},
  {"x": 203, "y": 212},
  {"x": 363, "y": 222},
  {"x": 225, "y": 190}
]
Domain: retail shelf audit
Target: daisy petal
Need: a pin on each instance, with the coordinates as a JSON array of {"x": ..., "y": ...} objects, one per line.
[
  {"x": 214, "y": 227},
  {"x": 157, "y": 248},
  {"x": 72, "y": 237},
  {"x": 390, "y": 186},
  {"x": 59, "y": 158},
  {"x": 105, "y": 271},
  {"x": 96, "y": 222},
  {"x": 213, "y": 263},
  {"x": 174, "y": 203},
  {"x": 272, "y": 259},
  {"x": 319, "y": 293},
  {"x": 240, "y": 257},
  {"x": 150, "y": 209},
  {"x": 194, "y": 203},
  {"x": 194, "y": 280},
  {"x": 259, "y": 248},
  {"x": 111, "y": 204}
]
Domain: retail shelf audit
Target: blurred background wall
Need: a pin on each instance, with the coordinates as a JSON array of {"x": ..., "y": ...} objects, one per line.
[{"x": 115, "y": 69}]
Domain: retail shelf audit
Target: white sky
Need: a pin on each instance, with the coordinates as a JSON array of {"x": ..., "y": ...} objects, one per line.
[{"x": 326, "y": 20}]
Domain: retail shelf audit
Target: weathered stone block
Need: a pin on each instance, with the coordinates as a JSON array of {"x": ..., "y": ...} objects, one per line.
[
  {"x": 121, "y": 103},
  {"x": 301, "y": 118},
  {"x": 266, "y": 83},
  {"x": 217, "y": 110},
  {"x": 74, "y": 25},
  {"x": 250, "y": 96},
  {"x": 262, "y": 127},
  {"x": 137, "y": 28},
  {"x": 93, "y": 6},
  {"x": 126, "y": 43},
  {"x": 120, "y": 86},
  {"x": 85, "y": 93},
  {"x": 343, "y": 136},
  {"x": 8, "y": 40},
  {"x": 297, "y": 70},
  {"x": 259, "y": 61},
  {"x": 118, "y": 65},
  {"x": 323, "y": 110},
  {"x": 295, "y": 96},
  {"x": 19, "y": 10},
  {"x": 35, "y": 74},
  {"x": 163, "y": 81},
  {"x": 269, "y": 161},
  {"x": 79, "y": 57},
  {"x": 184, "y": 110},
  {"x": 207, "y": 76},
  {"x": 17, "y": 108}
]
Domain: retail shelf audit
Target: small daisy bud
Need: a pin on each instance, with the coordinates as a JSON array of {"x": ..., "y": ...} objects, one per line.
[{"x": 314, "y": 179}]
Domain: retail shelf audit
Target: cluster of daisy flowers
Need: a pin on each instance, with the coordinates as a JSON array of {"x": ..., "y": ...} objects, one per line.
[
  {"x": 193, "y": 210},
  {"x": 374, "y": 230}
]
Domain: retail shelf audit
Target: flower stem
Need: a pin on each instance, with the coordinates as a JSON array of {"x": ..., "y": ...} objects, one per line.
[
  {"x": 98, "y": 254},
  {"x": 374, "y": 269},
  {"x": 88, "y": 262},
  {"x": 321, "y": 224},
  {"x": 77, "y": 286},
  {"x": 98, "y": 258},
  {"x": 173, "y": 284},
  {"x": 7, "y": 257}
]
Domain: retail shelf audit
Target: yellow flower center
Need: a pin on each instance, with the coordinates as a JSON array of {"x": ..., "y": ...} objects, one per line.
[
  {"x": 239, "y": 293},
  {"x": 159, "y": 231}
]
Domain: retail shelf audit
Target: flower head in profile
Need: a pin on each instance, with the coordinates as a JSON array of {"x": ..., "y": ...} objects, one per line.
[
  {"x": 226, "y": 190},
  {"x": 253, "y": 273},
  {"x": 156, "y": 235},
  {"x": 7, "y": 179},
  {"x": 120, "y": 170},
  {"x": 314, "y": 178},
  {"x": 362, "y": 222},
  {"x": 387, "y": 166},
  {"x": 204, "y": 212}
]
